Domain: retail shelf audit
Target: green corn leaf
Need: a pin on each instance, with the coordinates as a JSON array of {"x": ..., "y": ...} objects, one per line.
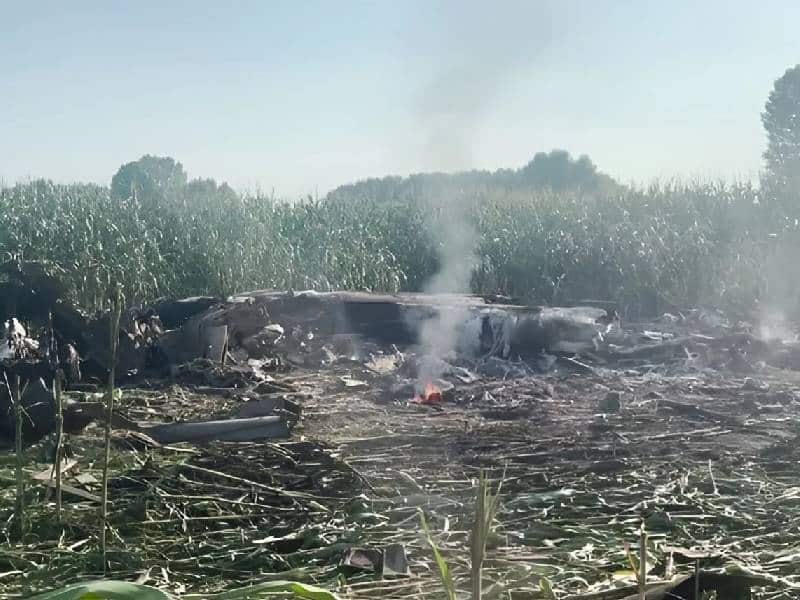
[
  {"x": 301, "y": 590},
  {"x": 105, "y": 590},
  {"x": 444, "y": 570}
]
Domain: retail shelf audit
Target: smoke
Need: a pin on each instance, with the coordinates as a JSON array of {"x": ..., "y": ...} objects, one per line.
[
  {"x": 481, "y": 52},
  {"x": 774, "y": 325},
  {"x": 450, "y": 111},
  {"x": 780, "y": 292},
  {"x": 481, "y": 48},
  {"x": 478, "y": 52},
  {"x": 456, "y": 241}
]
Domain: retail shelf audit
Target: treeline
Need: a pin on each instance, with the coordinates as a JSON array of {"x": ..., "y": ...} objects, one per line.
[{"x": 556, "y": 171}]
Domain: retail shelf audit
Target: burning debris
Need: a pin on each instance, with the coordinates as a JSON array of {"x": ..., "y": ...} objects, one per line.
[{"x": 430, "y": 394}]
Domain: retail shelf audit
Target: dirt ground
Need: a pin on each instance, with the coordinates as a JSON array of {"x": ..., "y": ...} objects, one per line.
[{"x": 707, "y": 460}]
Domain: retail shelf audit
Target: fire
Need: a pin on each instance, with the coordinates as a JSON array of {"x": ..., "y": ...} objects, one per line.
[{"x": 430, "y": 394}]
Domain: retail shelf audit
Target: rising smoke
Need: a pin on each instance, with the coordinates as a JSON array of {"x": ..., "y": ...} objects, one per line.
[
  {"x": 482, "y": 49},
  {"x": 779, "y": 304},
  {"x": 456, "y": 241}
]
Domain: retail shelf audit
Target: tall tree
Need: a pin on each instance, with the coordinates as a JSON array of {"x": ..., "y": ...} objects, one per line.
[
  {"x": 150, "y": 177},
  {"x": 781, "y": 119}
]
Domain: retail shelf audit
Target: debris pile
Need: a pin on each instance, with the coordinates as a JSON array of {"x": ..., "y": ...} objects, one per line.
[{"x": 251, "y": 509}]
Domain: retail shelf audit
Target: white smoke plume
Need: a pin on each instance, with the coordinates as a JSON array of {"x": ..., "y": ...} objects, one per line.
[
  {"x": 779, "y": 302},
  {"x": 456, "y": 241},
  {"x": 482, "y": 48}
]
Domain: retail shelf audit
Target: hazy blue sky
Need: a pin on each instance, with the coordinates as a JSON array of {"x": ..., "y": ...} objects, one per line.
[{"x": 302, "y": 96}]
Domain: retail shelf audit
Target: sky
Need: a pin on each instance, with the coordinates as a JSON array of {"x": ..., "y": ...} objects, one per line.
[{"x": 299, "y": 97}]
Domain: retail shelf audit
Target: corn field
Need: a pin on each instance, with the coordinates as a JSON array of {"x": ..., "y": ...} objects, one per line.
[{"x": 651, "y": 250}]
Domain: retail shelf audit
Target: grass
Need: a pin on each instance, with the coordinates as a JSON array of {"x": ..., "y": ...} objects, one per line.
[{"x": 663, "y": 248}]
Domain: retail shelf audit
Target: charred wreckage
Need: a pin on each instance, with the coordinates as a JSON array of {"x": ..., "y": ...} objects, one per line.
[{"x": 246, "y": 329}]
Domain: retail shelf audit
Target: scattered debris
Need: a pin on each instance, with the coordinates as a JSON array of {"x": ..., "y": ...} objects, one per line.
[
  {"x": 16, "y": 343},
  {"x": 389, "y": 561},
  {"x": 174, "y": 313},
  {"x": 611, "y": 402},
  {"x": 751, "y": 384},
  {"x": 363, "y": 559},
  {"x": 729, "y": 587},
  {"x": 251, "y": 429},
  {"x": 395, "y": 561},
  {"x": 351, "y": 383},
  {"x": 236, "y": 477}
]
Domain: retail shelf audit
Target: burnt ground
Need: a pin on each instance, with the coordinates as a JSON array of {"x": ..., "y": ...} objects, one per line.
[{"x": 706, "y": 459}]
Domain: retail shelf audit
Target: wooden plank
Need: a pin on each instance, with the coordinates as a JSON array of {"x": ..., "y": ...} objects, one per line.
[
  {"x": 232, "y": 430},
  {"x": 50, "y": 472},
  {"x": 73, "y": 491}
]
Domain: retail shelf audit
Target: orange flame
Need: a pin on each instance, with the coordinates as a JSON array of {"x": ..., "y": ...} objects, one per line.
[{"x": 430, "y": 394}]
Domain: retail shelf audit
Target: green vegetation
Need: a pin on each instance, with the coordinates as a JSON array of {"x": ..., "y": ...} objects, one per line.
[
  {"x": 486, "y": 506},
  {"x": 781, "y": 120},
  {"x": 666, "y": 247}
]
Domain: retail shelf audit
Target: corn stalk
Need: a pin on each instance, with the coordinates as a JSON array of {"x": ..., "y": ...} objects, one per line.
[
  {"x": 444, "y": 569},
  {"x": 116, "y": 313},
  {"x": 16, "y": 398},
  {"x": 485, "y": 511},
  {"x": 59, "y": 408},
  {"x": 639, "y": 567}
]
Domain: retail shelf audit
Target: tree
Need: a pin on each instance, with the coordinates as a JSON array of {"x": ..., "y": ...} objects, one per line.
[
  {"x": 559, "y": 171},
  {"x": 150, "y": 177},
  {"x": 208, "y": 190},
  {"x": 781, "y": 119}
]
